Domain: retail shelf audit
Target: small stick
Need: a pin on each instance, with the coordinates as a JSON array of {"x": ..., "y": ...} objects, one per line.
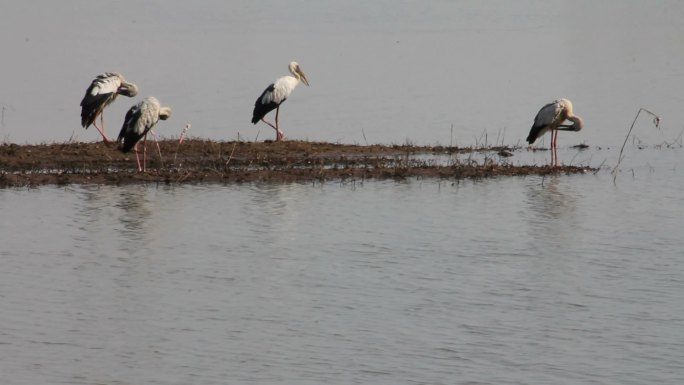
[
  {"x": 180, "y": 141},
  {"x": 161, "y": 160},
  {"x": 678, "y": 139},
  {"x": 656, "y": 121},
  {"x": 231, "y": 154},
  {"x": 599, "y": 167},
  {"x": 451, "y": 142},
  {"x": 182, "y": 135}
]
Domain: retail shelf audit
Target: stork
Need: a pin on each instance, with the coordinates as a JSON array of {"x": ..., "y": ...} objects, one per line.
[
  {"x": 138, "y": 122},
  {"x": 102, "y": 92},
  {"x": 275, "y": 94},
  {"x": 550, "y": 118}
]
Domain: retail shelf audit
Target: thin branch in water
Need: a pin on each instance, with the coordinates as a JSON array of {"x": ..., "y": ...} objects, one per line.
[
  {"x": 451, "y": 143},
  {"x": 161, "y": 160},
  {"x": 599, "y": 167},
  {"x": 676, "y": 141},
  {"x": 182, "y": 135},
  {"x": 180, "y": 141},
  {"x": 500, "y": 135},
  {"x": 231, "y": 154},
  {"x": 656, "y": 122},
  {"x": 479, "y": 140}
]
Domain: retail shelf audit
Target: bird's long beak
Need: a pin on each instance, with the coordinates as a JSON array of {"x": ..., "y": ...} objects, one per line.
[{"x": 302, "y": 77}]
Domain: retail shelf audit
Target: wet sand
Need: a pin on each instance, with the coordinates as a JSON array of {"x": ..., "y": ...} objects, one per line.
[{"x": 204, "y": 161}]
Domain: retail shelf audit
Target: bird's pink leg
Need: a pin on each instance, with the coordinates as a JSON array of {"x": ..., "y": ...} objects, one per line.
[
  {"x": 137, "y": 157},
  {"x": 555, "y": 146},
  {"x": 554, "y": 149},
  {"x": 159, "y": 148},
  {"x": 272, "y": 126},
  {"x": 279, "y": 134},
  {"x": 145, "y": 153},
  {"x": 101, "y": 130}
]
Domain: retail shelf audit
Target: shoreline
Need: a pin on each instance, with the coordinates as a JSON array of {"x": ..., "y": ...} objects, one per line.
[{"x": 206, "y": 161}]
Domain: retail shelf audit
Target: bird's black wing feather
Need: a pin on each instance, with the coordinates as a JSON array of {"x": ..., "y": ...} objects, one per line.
[
  {"x": 260, "y": 108},
  {"x": 92, "y": 106},
  {"x": 537, "y": 127},
  {"x": 534, "y": 133},
  {"x": 128, "y": 137}
]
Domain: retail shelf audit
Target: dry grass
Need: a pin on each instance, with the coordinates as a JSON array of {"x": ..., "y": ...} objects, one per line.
[{"x": 197, "y": 160}]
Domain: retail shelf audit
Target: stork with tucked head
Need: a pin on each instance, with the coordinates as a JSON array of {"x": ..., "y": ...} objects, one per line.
[
  {"x": 102, "y": 92},
  {"x": 275, "y": 94},
  {"x": 139, "y": 121},
  {"x": 550, "y": 118}
]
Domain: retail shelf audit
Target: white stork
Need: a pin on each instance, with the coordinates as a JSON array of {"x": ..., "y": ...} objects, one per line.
[
  {"x": 275, "y": 94},
  {"x": 103, "y": 91},
  {"x": 550, "y": 118},
  {"x": 139, "y": 121}
]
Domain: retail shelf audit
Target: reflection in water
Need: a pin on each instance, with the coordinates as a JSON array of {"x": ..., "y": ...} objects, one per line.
[
  {"x": 295, "y": 284},
  {"x": 548, "y": 199},
  {"x": 124, "y": 211},
  {"x": 270, "y": 214},
  {"x": 553, "y": 203},
  {"x": 135, "y": 213}
]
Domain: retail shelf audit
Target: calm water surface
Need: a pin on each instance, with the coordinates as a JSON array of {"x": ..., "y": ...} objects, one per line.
[
  {"x": 563, "y": 280},
  {"x": 556, "y": 280}
]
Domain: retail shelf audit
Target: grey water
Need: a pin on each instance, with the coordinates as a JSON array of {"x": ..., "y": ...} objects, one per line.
[
  {"x": 520, "y": 280},
  {"x": 564, "y": 279}
]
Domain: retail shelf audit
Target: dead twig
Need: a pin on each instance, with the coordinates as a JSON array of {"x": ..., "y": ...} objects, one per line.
[
  {"x": 656, "y": 122},
  {"x": 161, "y": 160},
  {"x": 180, "y": 141},
  {"x": 231, "y": 154},
  {"x": 599, "y": 167}
]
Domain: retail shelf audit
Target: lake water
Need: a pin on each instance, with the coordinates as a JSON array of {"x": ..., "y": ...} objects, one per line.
[
  {"x": 521, "y": 280},
  {"x": 531, "y": 280}
]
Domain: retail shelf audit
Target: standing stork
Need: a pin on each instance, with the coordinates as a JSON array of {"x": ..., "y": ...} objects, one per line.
[
  {"x": 275, "y": 94},
  {"x": 139, "y": 121},
  {"x": 550, "y": 118},
  {"x": 102, "y": 92}
]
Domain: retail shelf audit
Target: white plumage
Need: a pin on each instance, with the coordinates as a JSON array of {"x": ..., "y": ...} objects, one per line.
[
  {"x": 550, "y": 118},
  {"x": 282, "y": 88},
  {"x": 138, "y": 122},
  {"x": 107, "y": 83},
  {"x": 102, "y": 91},
  {"x": 275, "y": 94}
]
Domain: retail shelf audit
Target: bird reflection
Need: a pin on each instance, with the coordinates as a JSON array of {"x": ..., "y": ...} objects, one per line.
[
  {"x": 552, "y": 207},
  {"x": 135, "y": 215},
  {"x": 271, "y": 214},
  {"x": 124, "y": 209}
]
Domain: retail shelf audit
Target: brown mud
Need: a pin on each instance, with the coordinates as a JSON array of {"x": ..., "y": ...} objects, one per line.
[{"x": 204, "y": 161}]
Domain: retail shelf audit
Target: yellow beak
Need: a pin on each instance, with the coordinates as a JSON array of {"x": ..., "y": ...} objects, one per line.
[{"x": 302, "y": 77}]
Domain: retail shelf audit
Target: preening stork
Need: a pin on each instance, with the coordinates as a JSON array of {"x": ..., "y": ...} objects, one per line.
[
  {"x": 139, "y": 121},
  {"x": 102, "y": 92},
  {"x": 550, "y": 118},
  {"x": 275, "y": 94}
]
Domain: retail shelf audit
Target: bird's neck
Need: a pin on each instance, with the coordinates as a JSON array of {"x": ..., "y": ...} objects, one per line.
[
  {"x": 291, "y": 81},
  {"x": 577, "y": 122}
]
